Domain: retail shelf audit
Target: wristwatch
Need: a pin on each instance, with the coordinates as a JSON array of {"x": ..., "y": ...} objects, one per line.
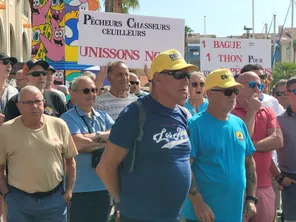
[
  {"x": 252, "y": 198},
  {"x": 99, "y": 136}
]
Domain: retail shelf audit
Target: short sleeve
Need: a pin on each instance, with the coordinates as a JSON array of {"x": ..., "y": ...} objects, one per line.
[
  {"x": 193, "y": 137},
  {"x": 272, "y": 120},
  {"x": 72, "y": 125},
  {"x": 125, "y": 129},
  {"x": 69, "y": 145},
  {"x": 250, "y": 149}
]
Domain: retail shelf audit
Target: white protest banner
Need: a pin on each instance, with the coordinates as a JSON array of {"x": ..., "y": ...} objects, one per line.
[
  {"x": 135, "y": 40},
  {"x": 233, "y": 54}
]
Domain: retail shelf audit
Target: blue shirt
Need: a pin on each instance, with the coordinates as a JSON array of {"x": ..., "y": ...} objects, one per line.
[
  {"x": 202, "y": 107},
  {"x": 86, "y": 178},
  {"x": 219, "y": 151},
  {"x": 157, "y": 188}
]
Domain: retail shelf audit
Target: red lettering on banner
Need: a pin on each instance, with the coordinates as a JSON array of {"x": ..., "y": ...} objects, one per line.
[
  {"x": 227, "y": 44},
  {"x": 121, "y": 54},
  {"x": 235, "y": 71},
  {"x": 230, "y": 58},
  {"x": 150, "y": 55}
]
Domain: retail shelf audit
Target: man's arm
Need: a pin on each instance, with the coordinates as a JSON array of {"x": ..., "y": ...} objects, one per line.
[
  {"x": 202, "y": 210},
  {"x": 253, "y": 107},
  {"x": 87, "y": 143},
  {"x": 70, "y": 177},
  {"x": 107, "y": 169},
  {"x": 273, "y": 141},
  {"x": 3, "y": 184},
  {"x": 275, "y": 173},
  {"x": 251, "y": 176},
  {"x": 101, "y": 77}
]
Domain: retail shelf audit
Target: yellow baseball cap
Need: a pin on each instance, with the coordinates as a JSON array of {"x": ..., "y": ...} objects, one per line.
[
  {"x": 222, "y": 78},
  {"x": 169, "y": 60}
]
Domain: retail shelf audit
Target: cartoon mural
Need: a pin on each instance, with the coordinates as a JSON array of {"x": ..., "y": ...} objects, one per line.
[{"x": 55, "y": 35}]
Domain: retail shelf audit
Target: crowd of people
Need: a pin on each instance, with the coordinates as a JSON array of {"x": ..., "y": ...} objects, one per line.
[{"x": 195, "y": 148}]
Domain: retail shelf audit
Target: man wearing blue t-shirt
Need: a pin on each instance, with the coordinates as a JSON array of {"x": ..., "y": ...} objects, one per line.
[
  {"x": 90, "y": 130},
  {"x": 159, "y": 183},
  {"x": 221, "y": 157}
]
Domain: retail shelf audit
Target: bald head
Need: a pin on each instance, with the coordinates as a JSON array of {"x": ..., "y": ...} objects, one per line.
[
  {"x": 133, "y": 77},
  {"x": 247, "y": 77},
  {"x": 76, "y": 83},
  {"x": 29, "y": 90}
]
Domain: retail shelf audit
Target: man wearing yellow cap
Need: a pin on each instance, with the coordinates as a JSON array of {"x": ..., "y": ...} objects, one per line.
[
  {"x": 155, "y": 174},
  {"x": 221, "y": 157}
]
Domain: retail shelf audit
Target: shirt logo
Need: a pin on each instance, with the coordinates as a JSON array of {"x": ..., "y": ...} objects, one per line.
[
  {"x": 239, "y": 135},
  {"x": 171, "y": 139}
]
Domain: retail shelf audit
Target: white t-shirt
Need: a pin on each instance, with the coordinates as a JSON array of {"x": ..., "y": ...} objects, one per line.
[
  {"x": 113, "y": 105},
  {"x": 273, "y": 103}
]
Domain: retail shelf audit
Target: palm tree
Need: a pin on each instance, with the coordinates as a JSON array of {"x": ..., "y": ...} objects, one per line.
[
  {"x": 187, "y": 33},
  {"x": 121, "y": 6}
]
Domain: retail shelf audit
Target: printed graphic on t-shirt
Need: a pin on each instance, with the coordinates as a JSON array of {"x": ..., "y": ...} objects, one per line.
[{"x": 172, "y": 139}]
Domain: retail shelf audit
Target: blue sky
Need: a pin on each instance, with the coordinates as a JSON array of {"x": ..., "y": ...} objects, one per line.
[{"x": 224, "y": 17}]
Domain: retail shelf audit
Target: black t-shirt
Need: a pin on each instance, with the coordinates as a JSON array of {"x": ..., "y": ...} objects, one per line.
[{"x": 53, "y": 106}]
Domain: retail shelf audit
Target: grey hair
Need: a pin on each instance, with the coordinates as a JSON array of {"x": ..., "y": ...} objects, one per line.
[
  {"x": 198, "y": 74},
  {"x": 32, "y": 89},
  {"x": 76, "y": 81},
  {"x": 89, "y": 74}
]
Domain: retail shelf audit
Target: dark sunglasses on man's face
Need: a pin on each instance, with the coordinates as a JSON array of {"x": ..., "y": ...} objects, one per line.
[
  {"x": 134, "y": 82},
  {"x": 292, "y": 90},
  {"x": 178, "y": 74},
  {"x": 37, "y": 73},
  {"x": 253, "y": 84},
  {"x": 227, "y": 92},
  {"x": 87, "y": 90},
  {"x": 279, "y": 93},
  {"x": 6, "y": 62},
  {"x": 195, "y": 84},
  {"x": 263, "y": 77}
]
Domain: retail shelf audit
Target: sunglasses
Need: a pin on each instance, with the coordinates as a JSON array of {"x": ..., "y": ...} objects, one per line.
[
  {"x": 227, "y": 92},
  {"x": 87, "y": 90},
  {"x": 253, "y": 84},
  {"x": 279, "y": 93},
  {"x": 195, "y": 84},
  {"x": 6, "y": 62},
  {"x": 134, "y": 82},
  {"x": 178, "y": 74},
  {"x": 31, "y": 102},
  {"x": 292, "y": 90},
  {"x": 263, "y": 77},
  {"x": 37, "y": 73}
]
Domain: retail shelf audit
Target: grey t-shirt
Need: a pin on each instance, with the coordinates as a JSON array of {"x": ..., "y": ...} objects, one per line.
[
  {"x": 113, "y": 105},
  {"x": 287, "y": 155}
]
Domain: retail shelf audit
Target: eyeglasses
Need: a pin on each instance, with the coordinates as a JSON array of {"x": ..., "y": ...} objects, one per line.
[
  {"x": 263, "y": 77},
  {"x": 87, "y": 90},
  {"x": 6, "y": 62},
  {"x": 31, "y": 102},
  {"x": 134, "y": 82},
  {"x": 36, "y": 73},
  {"x": 253, "y": 84},
  {"x": 292, "y": 90},
  {"x": 279, "y": 93},
  {"x": 178, "y": 74},
  {"x": 195, "y": 84},
  {"x": 227, "y": 92}
]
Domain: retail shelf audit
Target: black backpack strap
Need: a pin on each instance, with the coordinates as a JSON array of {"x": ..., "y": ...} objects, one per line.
[{"x": 141, "y": 122}]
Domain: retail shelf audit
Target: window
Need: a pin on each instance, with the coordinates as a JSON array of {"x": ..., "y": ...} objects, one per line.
[{"x": 25, "y": 7}]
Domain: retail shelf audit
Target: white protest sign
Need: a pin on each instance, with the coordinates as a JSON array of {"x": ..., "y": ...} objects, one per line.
[
  {"x": 233, "y": 54},
  {"x": 135, "y": 40}
]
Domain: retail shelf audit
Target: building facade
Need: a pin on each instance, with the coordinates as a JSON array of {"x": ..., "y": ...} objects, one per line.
[{"x": 15, "y": 28}]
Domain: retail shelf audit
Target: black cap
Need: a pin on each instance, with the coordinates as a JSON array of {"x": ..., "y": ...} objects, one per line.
[
  {"x": 51, "y": 69},
  {"x": 31, "y": 63},
  {"x": 5, "y": 56}
]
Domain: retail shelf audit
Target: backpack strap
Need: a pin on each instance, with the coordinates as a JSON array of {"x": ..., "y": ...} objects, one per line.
[{"x": 141, "y": 122}]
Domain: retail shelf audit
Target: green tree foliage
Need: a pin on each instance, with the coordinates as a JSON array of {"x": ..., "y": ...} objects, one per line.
[{"x": 283, "y": 71}]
